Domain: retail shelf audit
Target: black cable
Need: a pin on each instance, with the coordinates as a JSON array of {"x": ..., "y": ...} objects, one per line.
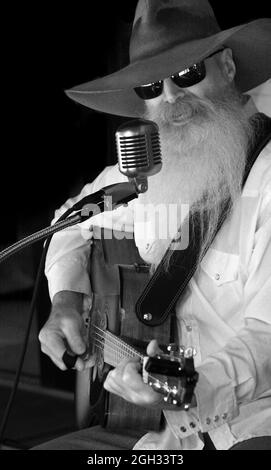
[
  {"x": 36, "y": 290},
  {"x": 41, "y": 234}
]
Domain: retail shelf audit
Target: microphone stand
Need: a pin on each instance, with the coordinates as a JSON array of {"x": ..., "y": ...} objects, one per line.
[{"x": 108, "y": 198}]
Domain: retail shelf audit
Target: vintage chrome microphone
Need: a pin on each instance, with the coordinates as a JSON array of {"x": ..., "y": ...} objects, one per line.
[
  {"x": 139, "y": 152},
  {"x": 139, "y": 156}
]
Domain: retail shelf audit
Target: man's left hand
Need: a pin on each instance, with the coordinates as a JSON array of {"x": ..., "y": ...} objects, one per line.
[{"x": 126, "y": 381}]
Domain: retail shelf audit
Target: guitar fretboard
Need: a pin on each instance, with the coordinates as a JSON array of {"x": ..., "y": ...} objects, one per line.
[{"x": 114, "y": 349}]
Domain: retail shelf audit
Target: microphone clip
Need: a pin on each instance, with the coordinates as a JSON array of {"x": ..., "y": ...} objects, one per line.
[{"x": 140, "y": 183}]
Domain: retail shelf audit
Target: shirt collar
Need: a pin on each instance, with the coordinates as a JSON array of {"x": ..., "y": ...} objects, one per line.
[{"x": 250, "y": 106}]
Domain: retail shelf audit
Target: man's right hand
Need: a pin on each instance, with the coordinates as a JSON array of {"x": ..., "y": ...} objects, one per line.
[{"x": 65, "y": 330}]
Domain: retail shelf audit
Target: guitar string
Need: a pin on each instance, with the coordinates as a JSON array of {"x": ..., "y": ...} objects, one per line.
[
  {"x": 119, "y": 341},
  {"x": 109, "y": 349},
  {"x": 115, "y": 339},
  {"x": 117, "y": 349},
  {"x": 120, "y": 347}
]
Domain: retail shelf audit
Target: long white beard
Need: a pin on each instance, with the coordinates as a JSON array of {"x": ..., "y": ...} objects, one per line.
[{"x": 203, "y": 160}]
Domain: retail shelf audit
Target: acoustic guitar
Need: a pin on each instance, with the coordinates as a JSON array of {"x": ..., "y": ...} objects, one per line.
[{"x": 118, "y": 276}]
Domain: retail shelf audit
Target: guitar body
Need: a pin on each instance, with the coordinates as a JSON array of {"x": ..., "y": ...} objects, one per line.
[{"x": 118, "y": 276}]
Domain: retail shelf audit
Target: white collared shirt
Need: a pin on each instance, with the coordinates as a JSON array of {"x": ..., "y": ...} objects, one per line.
[{"x": 225, "y": 313}]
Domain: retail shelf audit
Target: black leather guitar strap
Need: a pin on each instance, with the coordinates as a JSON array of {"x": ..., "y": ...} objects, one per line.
[{"x": 166, "y": 285}]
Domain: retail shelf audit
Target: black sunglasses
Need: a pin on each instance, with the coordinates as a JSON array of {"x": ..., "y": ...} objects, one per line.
[{"x": 184, "y": 79}]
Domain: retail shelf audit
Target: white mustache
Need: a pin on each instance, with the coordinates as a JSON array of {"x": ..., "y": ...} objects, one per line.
[{"x": 182, "y": 107}]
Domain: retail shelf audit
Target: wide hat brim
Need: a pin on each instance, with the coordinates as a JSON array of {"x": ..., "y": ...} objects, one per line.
[{"x": 114, "y": 93}]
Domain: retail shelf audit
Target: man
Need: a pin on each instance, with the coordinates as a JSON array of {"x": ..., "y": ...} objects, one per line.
[{"x": 190, "y": 78}]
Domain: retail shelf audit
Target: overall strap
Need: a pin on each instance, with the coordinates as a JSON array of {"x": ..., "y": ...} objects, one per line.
[{"x": 167, "y": 285}]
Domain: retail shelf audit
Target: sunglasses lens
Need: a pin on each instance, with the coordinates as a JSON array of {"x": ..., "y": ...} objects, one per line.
[
  {"x": 150, "y": 91},
  {"x": 184, "y": 79},
  {"x": 191, "y": 76}
]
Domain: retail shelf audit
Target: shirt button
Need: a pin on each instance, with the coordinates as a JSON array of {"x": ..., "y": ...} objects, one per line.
[
  {"x": 216, "y": 418},
  {"x": 147, "y": 246},
  {"x": 224, "y": 416},
  {"x": 217, "y": 276},
  {"x": 183, "y": 429},
  {"x": 208, "y": 421},
  {"x": 192, "y": 425}
]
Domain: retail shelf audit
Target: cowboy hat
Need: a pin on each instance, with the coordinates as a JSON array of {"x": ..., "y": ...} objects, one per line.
[{"x": 169, "y": 36}]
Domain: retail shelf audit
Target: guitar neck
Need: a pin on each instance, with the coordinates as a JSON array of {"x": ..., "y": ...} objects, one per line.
[{"x": 114, "y": 349}]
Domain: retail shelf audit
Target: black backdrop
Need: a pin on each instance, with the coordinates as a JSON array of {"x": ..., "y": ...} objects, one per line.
[{"x": 50, "y": 145}]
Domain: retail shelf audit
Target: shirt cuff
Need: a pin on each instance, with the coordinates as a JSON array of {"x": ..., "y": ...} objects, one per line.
[
  {"x": 216, "y": 400},
  {"x": 71, "y": 276},
  {"x": 183, "y": 423}
]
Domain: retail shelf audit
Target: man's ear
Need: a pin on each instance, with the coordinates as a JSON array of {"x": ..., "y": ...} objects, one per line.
[{"x": 228, "y": 65}]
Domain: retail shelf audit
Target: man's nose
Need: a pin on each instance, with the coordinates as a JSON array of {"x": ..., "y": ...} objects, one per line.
[{"x": 171, "y": 91}]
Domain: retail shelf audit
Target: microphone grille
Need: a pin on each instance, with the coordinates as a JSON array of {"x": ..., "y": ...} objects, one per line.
[{"x": 138, "y": 148}]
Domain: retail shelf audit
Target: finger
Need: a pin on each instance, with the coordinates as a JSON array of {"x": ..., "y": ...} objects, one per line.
[
  {"x": 112, "y": 384},
  {"x": 74, "y": 337},
  {"x": 124, "y": 374},
  {"x": 124, "y": 379},
  {"x": 82, "y": 364},
  {"x": 153, "y": 348},
  {"x": 52, "y": 345},
  {"x": 90, "y": 361},
  {"x": 58, "y": 362},
  {"x": 84, "y": 361},
  {"x": 131, "y": 375},
  {"x": 52, "y": 341},
  {"x": 133, "y": 361},
  {"x": 130, "y": 386},
  {"x": 56, "y": 355}
]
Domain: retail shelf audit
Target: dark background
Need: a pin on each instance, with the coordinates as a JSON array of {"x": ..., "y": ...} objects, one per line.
[{"x": 51, "y": 147}]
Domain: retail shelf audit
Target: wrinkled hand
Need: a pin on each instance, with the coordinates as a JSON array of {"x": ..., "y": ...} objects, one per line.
[
  {"x": 65, "y": 330},
  {"x": 126, "y": 381}
]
